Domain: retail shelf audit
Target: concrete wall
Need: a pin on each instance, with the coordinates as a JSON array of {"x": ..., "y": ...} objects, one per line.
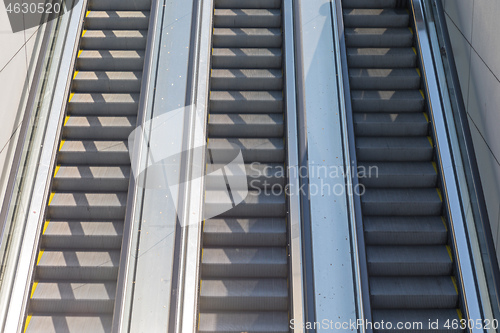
[
  {"x": 473, "y": 26},
  {"x": 17, "y": 62}
]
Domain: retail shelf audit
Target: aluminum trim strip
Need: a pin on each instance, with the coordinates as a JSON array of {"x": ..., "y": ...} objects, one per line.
[{"x": 294, "y": 209}]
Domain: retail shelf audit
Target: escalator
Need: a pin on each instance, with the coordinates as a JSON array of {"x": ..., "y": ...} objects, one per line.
[
  {"x": 244, "y": 265},
  {"x": 79, "y": 252},
  {"x": 410, "y": 264}
]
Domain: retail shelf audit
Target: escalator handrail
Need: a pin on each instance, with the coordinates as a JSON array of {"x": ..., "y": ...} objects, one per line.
[
  {"x": 134, "y": 188},
  {"x": 474, "y": 183},
  {"x": 358, "y": 228},
  {"x": 295, "y": 239},
  {"x": 451, "y": 197}
]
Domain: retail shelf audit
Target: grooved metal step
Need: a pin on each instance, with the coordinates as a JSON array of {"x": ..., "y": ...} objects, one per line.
[
  {"x": 413, "y": 292},
  {"x": 375, "y": 18},
  {"x": 249, "y": 18},
  {"x": 382, "y": 57},
  {"x": 244, "y": 232},
  {"x": 384, "y": 79},
  {"x": 247, "y": 37},
  {"x": 246, "y": 125},
  {"x": 73, "y": 297},
  {"x": 107, "y": 82},
  {"x": 244, "y": 295},
  {"x": 114, "y": 40},
  {"x": 117, "y": 20},
  {"x": 246, "y": 101},
  {"x": 104, "y": 60},
  {"x": 98, "y": 128},
  {"x": 97, "y": 104},
  {"x": 246, "y": 79},
  {"x": 246, "y": 58},
  {"x": 378, "y": 37}
]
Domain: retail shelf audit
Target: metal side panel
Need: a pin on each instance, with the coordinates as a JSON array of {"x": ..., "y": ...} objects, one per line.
[{"x": 334, "y": 282}]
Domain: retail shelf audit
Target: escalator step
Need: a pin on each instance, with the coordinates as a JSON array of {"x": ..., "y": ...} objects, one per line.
[
  {"x": 246, "y": 58},
  {"x": 401, "y": 202},
  {"x": 436, "y": 292},
  {"x": 98, "y": 128},
  {"x": 98, "y": 104},
  {"x": 397, "y": 175},
  {"x": 78, "y": 265},
  {"x": 384, "y": 79},
  {"x": 390, "y": 124},
  {"x": 393, "y": 101},
  {"x": 403, "y": 230},
  {"x": 83, "y": 235},
  {"x": 107, "y": 82},
  {"x": 260, "y": 262},
  {"x": 244, "y": 295},
  {"x": 242, "y": 232},
  {"x": 398, "y": 57},
  {"x": 250, "y": 322},
  {"x": 247, "y": 79},
  {"x": 104, "y": 60},
  {"x": 73, "y": 297},
  {"x": 378, "y": 37},
  {"x": 249, "y": 18},
  {"x": 111, "y": 19},
  {"x": 247, "y": 37},
  {"x": 394, "y": 149},
  {"x": 114, "y": 40},
  {"x": 408, "y": 260},
  {"x": 246, "y": 125},
  {"x": 376, "y": 18}
]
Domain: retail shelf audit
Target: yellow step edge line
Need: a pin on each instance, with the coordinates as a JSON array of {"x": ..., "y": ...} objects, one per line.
[
  {"x": 414, "y": 50},
  {"x": 71, "y": 96},
  {"x": 45, "y": 226},
  {"x": 426, "y": 116},
  {"x": 57, "y": 170},
  {"x": 422, "y": 93},
  {"x": 439, "y": 193},
  {"x": 62, "y": 144},
  {"x": 83, "y": 32},
  {"x": 51, "y": 197},
  {"x": 459, "y": 312},
  {"x": 74, "y": 75},
  {"x": 418, "y": 71},
  {"x": 430, "y": 141},
  {"x": 66, "y": 120},
  {"x": 444, "y": 222},
  {"x": 411, "y": 30},
  {"x": 79, "y": 52},
  {"x": 35, "y": 284},
  {"x": 87, "y": 13},
  {"x": 454, "y": 283},
  {"x": 434, "y": 165},
  {"x": 40, "y": 254},
  {"x": 28, "y": 319},
  {"x": 448, "y": 248}
]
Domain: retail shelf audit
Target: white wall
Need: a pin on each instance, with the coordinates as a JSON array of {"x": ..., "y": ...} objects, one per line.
[
  {"x": 473, "y": 27},
  {"x": 17, "y": 63}
]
